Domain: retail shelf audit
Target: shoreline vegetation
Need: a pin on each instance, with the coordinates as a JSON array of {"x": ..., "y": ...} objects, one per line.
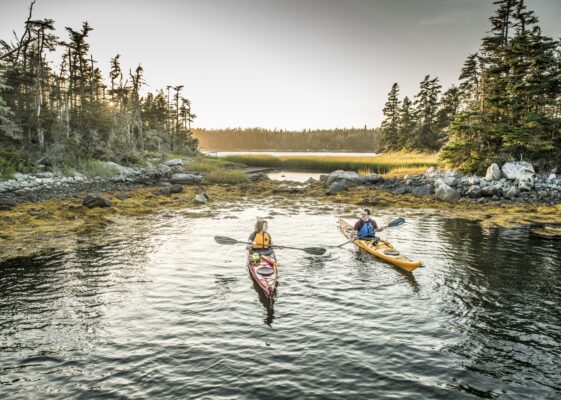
[{"x": 391, "y": 164}]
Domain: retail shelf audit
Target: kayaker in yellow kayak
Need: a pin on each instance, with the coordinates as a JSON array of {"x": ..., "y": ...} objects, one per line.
[
  {"x": 260, "y": 239},
  {"x": 366, "y": 227}
]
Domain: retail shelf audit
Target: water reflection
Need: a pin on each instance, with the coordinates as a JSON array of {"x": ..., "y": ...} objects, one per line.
[
  {"x": 267, "y": 302},
  {"x": 140, "y": 308}
]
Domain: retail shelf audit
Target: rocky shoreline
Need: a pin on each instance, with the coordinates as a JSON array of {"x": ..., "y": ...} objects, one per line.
[
  {"x": 513, "y": 182},
  {"x": 44, "y": 185}
]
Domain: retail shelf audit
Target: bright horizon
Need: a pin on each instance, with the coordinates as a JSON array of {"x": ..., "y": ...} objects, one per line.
[{"x": 313, "y": 64}]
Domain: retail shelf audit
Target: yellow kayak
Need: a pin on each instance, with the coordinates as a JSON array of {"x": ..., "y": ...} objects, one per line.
[{"x": 382, "y": 250}]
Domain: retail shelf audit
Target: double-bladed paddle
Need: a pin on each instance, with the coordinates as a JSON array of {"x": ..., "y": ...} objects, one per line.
[
  {"x": 395, "y": 222},
  {"x": 317, "y": 251}
]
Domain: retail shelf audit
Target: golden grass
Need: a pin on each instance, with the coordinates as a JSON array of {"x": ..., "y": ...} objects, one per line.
[
  {"x": 364, "y": 171},
  {"x": 226, "y": 176},
  {"x": 380, "y": 164},
  {"x": 400, "y": 172}
]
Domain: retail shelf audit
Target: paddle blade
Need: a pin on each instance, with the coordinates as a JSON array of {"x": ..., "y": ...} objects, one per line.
[
  {"x": 396, "y": 222},
  {"x": 225, "y": 240},
  {"x": 317, "y": 251}
]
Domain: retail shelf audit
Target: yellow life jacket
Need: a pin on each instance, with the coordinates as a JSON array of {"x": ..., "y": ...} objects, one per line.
[{"x": 261, "y": 241}]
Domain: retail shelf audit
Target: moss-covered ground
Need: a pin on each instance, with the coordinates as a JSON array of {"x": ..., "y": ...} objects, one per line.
[{"x": 34, "y": 227}]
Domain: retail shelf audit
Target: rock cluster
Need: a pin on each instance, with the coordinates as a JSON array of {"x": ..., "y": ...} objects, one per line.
[
  {"x": 514, "y": 181},
  {"x": 42, "y": 185}
]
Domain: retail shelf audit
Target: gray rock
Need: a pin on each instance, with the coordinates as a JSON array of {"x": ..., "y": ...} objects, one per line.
[
  {"x": 175, "y": 189},
  {"x": 119, "y": 169},
  {"x": 336, "y": 187},
  {"x": 96, "y": 200},
  {"x": 163, "y": 169},
  {"x": 20, "y": 177},
  {"x": 164, "y": 190},
  {"x": 438, "y": 182},
  {"x": 257, "y": 176},
  {"x": 472, "y": 180},
  {"x": 452, "y": 180},
  {"x": 423, "y": 190},
  {"x": 474, "y": 191},
  {"x": 493, "y": 173},
  {"x": 351, "y": 178},
  {"x": 401, "y": 190},
  {"x": 373, "y": 178},
  {"x": 44, "y": 175},
  {"x": 323, "y": 178},
  {"x": 431, "y": 170},
  {"x": 446, "y": 193},
  {"x": 511, "y": 192},
  {"x": 201, "y": 198},
  {"x": 524, "y": 183},
  {"x": 122, "y": 196},
  {"x": 310, "y": 180},
  {"x": 185, "y": 179},
  {"x": 174, "y": 163},
  {"x": 551, "y": 178},
  {"x": 518, "y": 169},
  {"x": 78, "y": 177},
  {"x": 8, "y": 201}
]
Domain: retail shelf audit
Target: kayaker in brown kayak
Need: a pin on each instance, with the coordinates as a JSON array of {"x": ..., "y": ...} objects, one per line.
[
  {"x": 366, "y": 227},
  {"x": 260, "y": 239}
]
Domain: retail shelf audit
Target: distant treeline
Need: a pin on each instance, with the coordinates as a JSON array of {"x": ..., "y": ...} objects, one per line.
[
  {"x": 52, "y": 113},
  {"x": 506, "y": 107},
  {"x": 240, "y": 139}
]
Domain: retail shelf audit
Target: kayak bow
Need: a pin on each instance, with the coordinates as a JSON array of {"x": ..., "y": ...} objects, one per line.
[{"x": 264, "y": 272}]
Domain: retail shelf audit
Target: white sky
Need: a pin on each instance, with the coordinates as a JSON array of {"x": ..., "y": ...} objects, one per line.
[{"x": 289, "y": 64}]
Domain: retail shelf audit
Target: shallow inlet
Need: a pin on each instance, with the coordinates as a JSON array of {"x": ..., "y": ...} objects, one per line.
[{"x": 154, "y": 308}]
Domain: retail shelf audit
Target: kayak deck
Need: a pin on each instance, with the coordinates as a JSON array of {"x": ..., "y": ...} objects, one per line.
[
  {"x": 382, "y": 250},
  {"x": 264, "y": 272}
]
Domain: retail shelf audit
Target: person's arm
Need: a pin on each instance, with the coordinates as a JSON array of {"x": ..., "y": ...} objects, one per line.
[
  {"x": 250, "y": 239},
  {"x": 378, "y": 228}
]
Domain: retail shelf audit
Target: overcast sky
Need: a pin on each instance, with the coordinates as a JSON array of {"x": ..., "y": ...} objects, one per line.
[{"x": 289, "y": 64}]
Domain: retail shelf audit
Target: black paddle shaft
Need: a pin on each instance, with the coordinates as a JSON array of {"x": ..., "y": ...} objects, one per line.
[{"x": 310, "y": 250}]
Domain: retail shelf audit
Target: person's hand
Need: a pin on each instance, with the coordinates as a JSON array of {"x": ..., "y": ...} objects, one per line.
[{"x": 382, "y": 227}]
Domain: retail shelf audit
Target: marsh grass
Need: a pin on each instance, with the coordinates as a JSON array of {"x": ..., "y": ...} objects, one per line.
[
  {"x": 380, "y": 164},
  {"x": 88, "y": 167},
  {"x": 209, "y": 164},
  {"x": 226, "y": 176}
]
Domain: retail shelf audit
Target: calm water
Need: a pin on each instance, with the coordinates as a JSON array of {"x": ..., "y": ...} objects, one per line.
[
  {"x": 289, "y": 153},
  {"x": 150, "y": 310},
  {"x": 292, "y": 176}
]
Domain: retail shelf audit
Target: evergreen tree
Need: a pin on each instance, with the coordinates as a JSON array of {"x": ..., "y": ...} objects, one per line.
[
  {"x": 426, "y": 106},
  {"x": 8, "y": 128},
  {"x": 519, "y": 84},
  {"x": 390, "y": 124},
  {"x": 407, "y": 125}
]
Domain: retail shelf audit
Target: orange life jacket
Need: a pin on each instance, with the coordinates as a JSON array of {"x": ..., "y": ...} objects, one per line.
[{"x": 261, "y": 241}]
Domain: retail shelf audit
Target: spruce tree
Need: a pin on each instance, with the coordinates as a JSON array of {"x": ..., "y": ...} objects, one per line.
[
  {"x": 407, "y": 125},
  {"x": 426, "y": 106},
  {"x": 390, "y": 124}
]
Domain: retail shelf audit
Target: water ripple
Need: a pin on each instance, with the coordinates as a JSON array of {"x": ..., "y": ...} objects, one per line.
[{"x": 153, "y": 308}]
